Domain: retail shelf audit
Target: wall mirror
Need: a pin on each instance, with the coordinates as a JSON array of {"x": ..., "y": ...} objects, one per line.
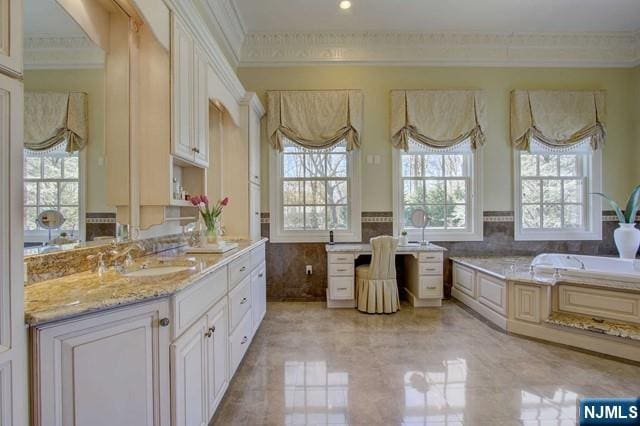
[{"x": 77, "y": 151}]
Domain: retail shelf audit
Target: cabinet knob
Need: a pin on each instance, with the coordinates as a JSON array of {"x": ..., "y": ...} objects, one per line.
[
  {"x": 260, "y": 275},
  {"x": 244, "y": 268},
  {"x": 210, "y": 332},
  {"x": 243, "y": 301},
  {"x": 244, "y": 340},
  {"x": 164, "y": 322}
]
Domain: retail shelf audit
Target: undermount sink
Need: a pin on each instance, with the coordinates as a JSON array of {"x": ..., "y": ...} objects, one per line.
[{"x": 156, "y": 271}]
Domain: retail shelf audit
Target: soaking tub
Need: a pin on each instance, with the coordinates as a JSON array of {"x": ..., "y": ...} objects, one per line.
[{"x": 599, "y": 267}]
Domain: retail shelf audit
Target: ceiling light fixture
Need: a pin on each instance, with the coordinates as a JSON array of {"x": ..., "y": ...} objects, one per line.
[{"x": 345, "y": 4}]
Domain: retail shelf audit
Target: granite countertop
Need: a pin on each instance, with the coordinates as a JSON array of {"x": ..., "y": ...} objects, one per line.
[
  {"x": 353, "y": 247},
  {"x": 85, "y": 292}
]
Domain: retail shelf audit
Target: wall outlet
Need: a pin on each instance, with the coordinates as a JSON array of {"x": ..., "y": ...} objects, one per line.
[{"x": 309, "y": 270}]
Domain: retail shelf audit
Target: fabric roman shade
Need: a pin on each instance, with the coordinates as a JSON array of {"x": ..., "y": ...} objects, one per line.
[
  {"x": 51, "y": 118},
  {"x": 314, "y": 119},
  {"x": 557, "y": 118},
  {"x": 437, "y": 118}
]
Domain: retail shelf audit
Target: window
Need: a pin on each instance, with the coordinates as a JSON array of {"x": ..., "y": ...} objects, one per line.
[
  {"x": 316, "y": 192},
  {"x": 552, "y": 194},
  {"x": 51, "y": 182},
  {"x": 443, "y": 183}
]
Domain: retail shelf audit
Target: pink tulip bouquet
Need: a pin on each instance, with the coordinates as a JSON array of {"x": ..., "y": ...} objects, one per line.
[{"x": 210, "y": 214}]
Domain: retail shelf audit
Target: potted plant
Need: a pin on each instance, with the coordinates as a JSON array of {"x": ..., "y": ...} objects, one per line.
[
  {"x": 403, "y": 238},
  {"x": 626, "y": 236},
  {"x": 210, "y": 215}
]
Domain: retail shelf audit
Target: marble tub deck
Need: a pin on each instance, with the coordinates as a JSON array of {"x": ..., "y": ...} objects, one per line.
[{"x": 312, "y": 365}]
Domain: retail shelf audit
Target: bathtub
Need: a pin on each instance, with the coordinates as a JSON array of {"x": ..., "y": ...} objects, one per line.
[{"x": 599, "y": 267}]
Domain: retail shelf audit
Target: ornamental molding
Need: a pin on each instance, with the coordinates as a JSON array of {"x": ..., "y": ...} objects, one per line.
[
  {"x": 611, "y": 49},
  {"x": 47, "y": 52},
  {"x": 227, "y": 25}
]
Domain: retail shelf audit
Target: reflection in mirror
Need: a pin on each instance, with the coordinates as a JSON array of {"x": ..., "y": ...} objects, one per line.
[{"x": 66, "y": 139}]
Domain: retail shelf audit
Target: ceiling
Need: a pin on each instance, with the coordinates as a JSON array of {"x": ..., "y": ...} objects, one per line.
[
  {"x": 440, "y": 15},
  {"x": 46, "y": 17}
]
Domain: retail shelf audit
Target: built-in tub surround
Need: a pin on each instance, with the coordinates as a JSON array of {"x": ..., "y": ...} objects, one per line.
[{"x": 580, "y": 267}]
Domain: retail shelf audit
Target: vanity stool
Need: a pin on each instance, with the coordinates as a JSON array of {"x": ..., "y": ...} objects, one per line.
[{"x": 376, "y": 285}]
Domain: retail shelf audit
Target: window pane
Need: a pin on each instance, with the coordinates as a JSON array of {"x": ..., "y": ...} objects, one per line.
[
  {"x": 528, "y": 164},
  {"x": 456, "y": 192},
  {"x": 337, "y": 192},
  {"x": 454, "y": 165},
  {"x": 293, "y": 218},
  {"x": 52, "y": 167},
  {"x": 551, "y": 191},
  {"x": 71, "y": 218},
  {"x": 433, "y": 165},
  {"x": 293, "y": 165},
  {"x": 548, "y": 165},
  {"x": 314, "y": 165},
  {"x": 292, "y": 147},
  {"x": 337, "y": 165},
  {"x": 436, "y": 216},
  {"x": 411, "y": 165},
  {"x": 531, "y": 216},
  {"x": 71, "y": 168},
  {"x": 337, "y": 217},
  {"x": 314, "y": 217},
  {"x": 568, "y": 165},
  {"x": 69, "y": 193},
  {"x": 551, "y": 217},
  {"x": 456, "y": 217},
  {"x": 30, "y": 193},
  {"x": 48, "y": 193},
  {"x": 531, "y": 191},
  {"x": 30, "y": 215},
  {"x": 434, "y": 191},
  {"x": 573, "y": 216},
  {"x": 314, "y": 192},
  {"x": 292, "y": 192},
  {"x": 413, "y": 191},
  {"x": 573, "y": 191},
  {"x": 32, "y": 167}
]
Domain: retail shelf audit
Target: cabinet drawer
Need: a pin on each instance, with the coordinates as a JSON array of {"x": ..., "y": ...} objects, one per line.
[
  {"x": 430, "y": 286},
  {"x": 463, "y": 279},
  {"x": 239, "y": 269},
  {"x": 341, "y": 288},
  {"x": 492, "y": 293},
  {"x": 238, "y": 343},
  {"x": 430, "y": 256},
  {"x": 341, "y": 269},
  {"x": 340, "y": 258},
  {"x": 191, "y": 304},
  {"x": 239, "y": 302},
  {"x": 257, "y": 256},
  {"x": 431, "y": 268},
  {"x": 600, "y": 303}
]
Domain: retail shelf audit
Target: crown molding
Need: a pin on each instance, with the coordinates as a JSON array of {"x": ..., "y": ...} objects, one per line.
[
  {"x": 226, "y": 24},
  {"x": 614, "y": 49},
  {"x": 47, "y": 52}
]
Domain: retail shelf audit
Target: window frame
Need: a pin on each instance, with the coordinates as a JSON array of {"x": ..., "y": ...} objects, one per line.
[
  {"x": 475, "y": 211},
  {"x": 277, "y": 233},
  {"x": 592, "y": 205}
]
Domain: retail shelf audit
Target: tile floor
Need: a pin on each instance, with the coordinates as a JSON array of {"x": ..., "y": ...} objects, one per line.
[{"x": 312, "y": 365}]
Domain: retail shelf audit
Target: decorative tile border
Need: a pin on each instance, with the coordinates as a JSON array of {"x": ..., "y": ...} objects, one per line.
[{"x": 94, "y": 220}]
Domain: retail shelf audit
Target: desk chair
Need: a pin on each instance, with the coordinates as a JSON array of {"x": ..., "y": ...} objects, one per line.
[{"x": 376, "y": 285}]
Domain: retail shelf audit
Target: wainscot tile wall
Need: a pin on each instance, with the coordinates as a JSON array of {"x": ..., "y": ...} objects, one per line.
[{"x": 286, "y": 278}]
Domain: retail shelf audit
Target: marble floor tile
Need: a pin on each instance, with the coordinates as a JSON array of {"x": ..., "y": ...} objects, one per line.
[{"x": 309, "y": 365}]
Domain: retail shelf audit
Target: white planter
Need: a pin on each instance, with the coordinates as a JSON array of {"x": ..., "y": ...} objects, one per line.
[
  {"x": 627, "y": 238},
  {"x": 403, "y": 240}
]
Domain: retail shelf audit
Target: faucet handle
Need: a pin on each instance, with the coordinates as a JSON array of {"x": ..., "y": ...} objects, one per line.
[{"x": 101, "y": 266}]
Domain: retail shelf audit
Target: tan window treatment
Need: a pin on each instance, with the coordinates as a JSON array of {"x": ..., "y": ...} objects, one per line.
[
  {"x": 437, "y": 118},
  {"x": 315, "y": 119},
  {"x": 51, "y": 118},
  {"x": 557, "y": 118}
]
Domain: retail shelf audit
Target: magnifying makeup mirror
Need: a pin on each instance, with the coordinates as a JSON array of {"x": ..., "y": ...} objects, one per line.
[{"x": 420, "y": 219}]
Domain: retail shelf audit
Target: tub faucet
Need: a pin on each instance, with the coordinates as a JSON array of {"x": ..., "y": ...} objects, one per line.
[{"x": 577, "y": 260}]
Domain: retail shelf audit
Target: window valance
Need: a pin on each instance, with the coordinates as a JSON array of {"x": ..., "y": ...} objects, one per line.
[
  {"x": 437, "y": 118},
  {"x": 557, "y": 118},
  {"x": 314, "y": 119},
  {"x": 51, "y": 118}
]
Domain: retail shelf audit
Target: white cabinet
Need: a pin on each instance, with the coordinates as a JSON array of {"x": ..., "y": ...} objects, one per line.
[
  {"x": 254, "y": 206},
  {"x": 190, "y": 99},
  {"x": 105, "y": 369},
  {"x": 254, "y": 147},
  {"x": 258, "y": 295},
  {"x": 217, "y": 355},
  {"x": 11, "y": 36}
]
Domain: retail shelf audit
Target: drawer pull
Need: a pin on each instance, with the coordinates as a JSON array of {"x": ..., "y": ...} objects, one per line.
[
  {"x": 244, "y": 268},
  {"x": 431, "y": 288},
  {"x": 244, "y": 340},
  {"x": 210, "y": 332},
  {"x": 164, "y": 322},
  {"x": 243, "y": 301},
  {"x": 342, "y": 270},
  {"x": 342, "y": 288}
]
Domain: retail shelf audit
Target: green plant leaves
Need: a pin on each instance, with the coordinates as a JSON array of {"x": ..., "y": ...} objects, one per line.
[
  {"x": 632, "y": 205},
  {"x": 614, "y": 206}
]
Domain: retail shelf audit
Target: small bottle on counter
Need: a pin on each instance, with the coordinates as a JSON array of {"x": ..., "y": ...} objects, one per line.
[{"x": 331, "y": 242}]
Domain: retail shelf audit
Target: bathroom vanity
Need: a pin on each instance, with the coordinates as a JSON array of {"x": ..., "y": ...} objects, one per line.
[{"x": 157, "y": 350}]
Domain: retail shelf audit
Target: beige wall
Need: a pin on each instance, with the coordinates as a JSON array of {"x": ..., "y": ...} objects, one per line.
[
  {"x": 636, "y": 140},
  {"x": 92, "y": 82},
  {"x": 376, "y": 82}
]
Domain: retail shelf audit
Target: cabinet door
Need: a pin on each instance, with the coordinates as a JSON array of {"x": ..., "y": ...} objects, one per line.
[
  {"x": 217, "y": 355},
  {"x": 11, "y": 36},
  {"x": 200, "y": 109},
  {"x": 181, "y": 91},
  {"x": 189, "y": 374},
  {"x": 107, "y": 369},
  {"x": 254, "y": 146},
  {"x": 13, "y": 356},
  {"x": 258, "y": 295},
  {"x": 254, "y": 211}
]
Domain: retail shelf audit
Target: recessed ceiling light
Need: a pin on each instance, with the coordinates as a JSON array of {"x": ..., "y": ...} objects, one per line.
[{"x": 345, "y": 4}]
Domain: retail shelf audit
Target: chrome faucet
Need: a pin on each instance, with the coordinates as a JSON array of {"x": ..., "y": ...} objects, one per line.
[
  {"x": 116, "y": 255},
  {"x": 101, "y": 266},
  {"x": 577, "y": 259}
]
